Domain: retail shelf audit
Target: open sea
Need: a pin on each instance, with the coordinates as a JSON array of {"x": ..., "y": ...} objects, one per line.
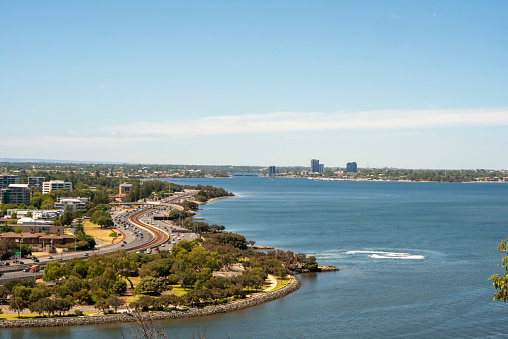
[{"x": 414, "y": 259}]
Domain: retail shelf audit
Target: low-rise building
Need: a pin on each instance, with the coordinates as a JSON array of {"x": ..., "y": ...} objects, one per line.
[
  {"x": 74, "y": 203},
  {"x": 37, "y": 225},
  {"x": 35, "y": 214},
  {"x": 39, "y": 241}
]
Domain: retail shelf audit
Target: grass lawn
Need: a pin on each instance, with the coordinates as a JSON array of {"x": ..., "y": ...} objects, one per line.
[
  {"x": 133, "y": 298},
  {"x": 14, "y": 316},
  {"x": 281, "y": 283},
  {"x": 179, "y": 291},
  {"x": 176, "y": 289},
  {"x": 99, "y": 233},
  {"x": 135, "y": 280}
]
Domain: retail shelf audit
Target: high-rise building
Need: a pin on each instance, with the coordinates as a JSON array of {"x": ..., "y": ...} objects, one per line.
[
  {"x": 314, "y": 166},
  {"x": 271, "y": 171},
  {"x": 49, "y": 186},
  {"x": 35, "y": 181},
  {"x": 351, "y": 167},
  {"x": 6, "y": 180},
  {"x": 16, "y": 194},
  {"x": 124, "y": 188}
]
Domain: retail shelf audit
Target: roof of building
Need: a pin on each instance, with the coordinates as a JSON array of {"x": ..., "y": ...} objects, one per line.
[{"x": 69, "y": 200}]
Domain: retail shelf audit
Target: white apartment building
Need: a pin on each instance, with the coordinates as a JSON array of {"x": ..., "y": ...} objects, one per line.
[
  {"x": 36, "y": 214},
  {"x": 73, "y": 203},
  {"x": 49, "y": 186}
]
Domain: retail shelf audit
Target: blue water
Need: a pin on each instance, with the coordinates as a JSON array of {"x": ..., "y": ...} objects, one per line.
[{"x": 433, "y": 248}]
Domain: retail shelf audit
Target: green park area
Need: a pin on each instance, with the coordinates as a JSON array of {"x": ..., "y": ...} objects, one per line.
[{"x": 99, "y": 233}]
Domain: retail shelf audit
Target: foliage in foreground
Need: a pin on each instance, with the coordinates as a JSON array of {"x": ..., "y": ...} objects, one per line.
[{"x": 500, "y": 281}]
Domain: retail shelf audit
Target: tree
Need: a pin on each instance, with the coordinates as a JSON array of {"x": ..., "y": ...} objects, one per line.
[
  {"x": 38, "y": 292},
  {"x": 191, "y": 297},
  {"x": 101, "y": 218},
  {"x": 4, "y": 292},
  {"x": 500, "y": 281},
  {"x": 63, "y": 305},
  {"x": 6, "y": 228},
  {"x": 19, "y": 298},
  {"x": 102, "y": 304},
  {"x": 83, "y": 296},
  {"x": 25, "y": 250},
  {"x": 7, "y": 246},
  {"x": 236, "y": 289},
  {"x": 311, "y": 264},
  {"x": 53, "y": 271},
  {"x": 115, "y": 302},
  {"x": 119, "y": 287},
  {"x": 67, "y": 218},
  {"x": 144, "y": 303},
  {"x": 154, "y": 285}
]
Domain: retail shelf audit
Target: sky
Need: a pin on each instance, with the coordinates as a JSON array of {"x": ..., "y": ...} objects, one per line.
[{"x": 406, "y": 84}]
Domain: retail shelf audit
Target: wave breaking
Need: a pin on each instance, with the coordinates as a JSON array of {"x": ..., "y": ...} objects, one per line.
[{"x": 388, "y": 255}]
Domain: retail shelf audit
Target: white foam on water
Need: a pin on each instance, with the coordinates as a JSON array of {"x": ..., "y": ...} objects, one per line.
[{"x": 388, "y": 255}]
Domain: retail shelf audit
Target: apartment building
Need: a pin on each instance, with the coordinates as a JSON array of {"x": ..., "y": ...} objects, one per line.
[
  {"x": 15, "y": 194},
  {"x": 52, "y": 185}
]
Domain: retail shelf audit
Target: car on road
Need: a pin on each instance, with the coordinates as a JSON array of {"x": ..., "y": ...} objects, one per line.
[
  {"x": 50, "y": 257},
  {"x": 86, "y": 254},
  {"x": 26, "y": 270}
]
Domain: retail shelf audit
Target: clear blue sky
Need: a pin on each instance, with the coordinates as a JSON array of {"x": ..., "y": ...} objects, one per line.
[{"x": 413, "y": 84}]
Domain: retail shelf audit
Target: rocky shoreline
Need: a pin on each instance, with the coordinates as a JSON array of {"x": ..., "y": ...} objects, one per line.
[{"x": 256, "y": 299}]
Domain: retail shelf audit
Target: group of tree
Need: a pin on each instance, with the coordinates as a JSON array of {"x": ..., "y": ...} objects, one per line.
[
  {"x": 102, "y": 279},
  {"x": 208, "y": 192},
  {"x": 8, "y": 246},
  {"x": 154, "y": 189},
  {"x": 100, "y": 215}
]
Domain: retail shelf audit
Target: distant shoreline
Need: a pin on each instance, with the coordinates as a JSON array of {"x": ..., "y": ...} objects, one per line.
[{"x": 414, "y": 181}]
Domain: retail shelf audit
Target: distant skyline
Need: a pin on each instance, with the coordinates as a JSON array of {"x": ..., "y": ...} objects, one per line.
[{"x": 420, "y": 84}]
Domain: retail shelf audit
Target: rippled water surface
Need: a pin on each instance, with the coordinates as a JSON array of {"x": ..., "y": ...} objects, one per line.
[{"x": 415, "y": 259}]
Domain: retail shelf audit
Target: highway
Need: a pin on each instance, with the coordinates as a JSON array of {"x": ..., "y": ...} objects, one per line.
[{"x": 140, "y": 232}]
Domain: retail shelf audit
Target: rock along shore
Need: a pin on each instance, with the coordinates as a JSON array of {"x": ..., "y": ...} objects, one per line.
[{"x": 256, "y": 299}]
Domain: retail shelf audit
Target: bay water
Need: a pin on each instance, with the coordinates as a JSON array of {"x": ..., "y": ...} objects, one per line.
[{"x": 414, "y": 260}]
